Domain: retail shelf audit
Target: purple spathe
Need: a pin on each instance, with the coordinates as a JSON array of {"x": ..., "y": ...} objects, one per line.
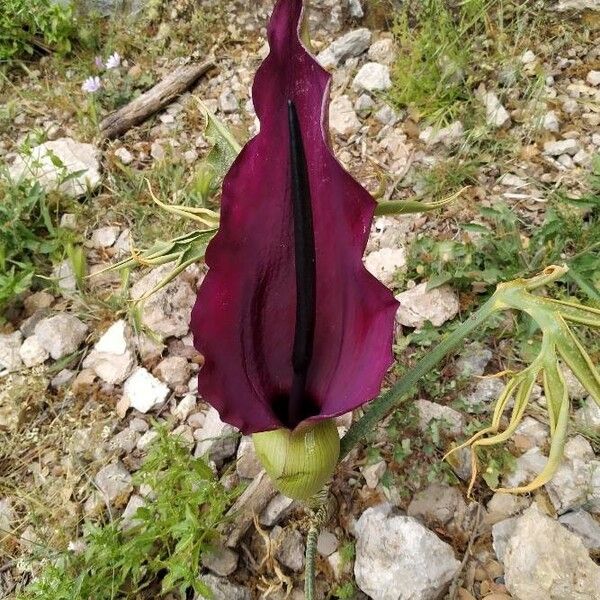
[{"x": 245, "y": 315}]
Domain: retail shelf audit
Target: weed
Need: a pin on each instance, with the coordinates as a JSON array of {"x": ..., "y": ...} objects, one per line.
[
  {"x": 499, "y": 246},
  {"x": 446, "y": 49},
  {"x": 29, "y": 236},
  {"x": 35, "y": 25},
  {"x": 164, "y": 541}
]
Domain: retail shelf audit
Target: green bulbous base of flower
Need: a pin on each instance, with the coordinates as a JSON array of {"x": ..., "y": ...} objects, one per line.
[{"x": 301, "y": 461}]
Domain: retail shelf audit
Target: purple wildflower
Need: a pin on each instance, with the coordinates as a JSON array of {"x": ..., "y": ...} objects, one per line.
[{"x": 91, "y": 84}]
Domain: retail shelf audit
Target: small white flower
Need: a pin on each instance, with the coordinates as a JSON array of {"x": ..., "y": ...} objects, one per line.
[
  {"x": 91, "y": 84},
  {"x": 113, "y": 61},
  {"x": 98, "y": 62}
]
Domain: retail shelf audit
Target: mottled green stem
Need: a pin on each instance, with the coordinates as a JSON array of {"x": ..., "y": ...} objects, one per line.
[
  {"x": 311, "y": 554},
  {"x": 320, "y": 513},
  {"x": 383, "y": 404}
]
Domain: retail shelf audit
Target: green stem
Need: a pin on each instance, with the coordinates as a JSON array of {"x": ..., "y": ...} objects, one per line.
[
  {"x": 310, "y": 562},
  {"x": 382, "y": 405}
]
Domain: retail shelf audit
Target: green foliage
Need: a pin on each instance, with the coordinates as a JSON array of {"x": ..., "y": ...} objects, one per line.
[
  {"x": 500, "y": 247},
  {"x": 28, "y": 236},
  {"x": 447, "y": 48},
  {"x": 433, "y": 52},
  {"x": 164, "y": 543},
  {"x": 30, "y": 25},
  {"x": 346, "y": 591}
]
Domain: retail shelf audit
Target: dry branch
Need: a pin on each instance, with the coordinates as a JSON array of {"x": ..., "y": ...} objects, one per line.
[{"x": 156, "y": 98}]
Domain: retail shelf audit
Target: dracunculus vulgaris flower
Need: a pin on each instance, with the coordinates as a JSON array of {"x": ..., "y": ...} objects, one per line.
[{"x": 293, "y": 329}]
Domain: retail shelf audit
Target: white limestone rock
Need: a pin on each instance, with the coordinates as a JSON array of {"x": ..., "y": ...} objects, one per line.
[
  {"x": 372, "y": 77},
  {"x": 61, "y": 334},
  {"x": 397, "y": 558},
  {"x": 32, "y": 353},
  {"x": 532, "y": 572},
  {"x": 54, "y": 164},
  {"x": 419, "y": 305},
  {"x": 113, "y": 357},
  {"x": 143, "y": 391}
]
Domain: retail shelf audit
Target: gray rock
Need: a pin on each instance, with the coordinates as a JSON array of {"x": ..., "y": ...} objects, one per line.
[
  {"x": 105, "y": 237},
  {"x": 389, "y": 232},
  {"x": 114, "y": 483},
  {"x": 167, "y": 312},
  {"x": 222, "y": 589},
  {"x": 364, "y": 103},
  {"x": 69, "y": 221},
  {"x": 289, "y": 547},
  {"x": 62, "y": 378},
  {"x": 574, "y": 386},
  {"x": 419, "y": 305},
  {"x": 247, "y": 464},
  {"x": 147, "y": 440},
  {"x": 399, "y": 559},
  {"x": 501, "y": 534},
  {"x": 65, "y": 277},
  {"x": 356, "y": 9},
  {"x": 185, "y": 407},
  {"x": 496, "y": 114},
  {"x": 584, "y": 526},
  {"x": 38, "y": 301},
  {"x": 174, "y": 371},
  {"x": 113, "y": 356},
  {"x": 452, "y": 420},
  {"x": 551, "y": 122},
  {"x": 139, "y": 425},
  {"x": 10, "y": 359},
  {"x": 54, "y": 164},
  {"x": 593, "y": 78},
  {"x": 216, "y": 439},
  {"x": 220, "y": 560},
  {"x": 502, "y": 506},
  {"x": 353, "y": 43},
  {"x": 128, "y": 519},
  {"x": 342, "y": 118},
  {"x": 157, "y": 151},
  {"x": 473, "y": 361},
  {"x": 537, "y": 433},
  {"x": 276, "y": 510},
  {"x": 448, "y": 136},
  {"x": 124, "y": 442},
  {"x": 545, "y": 561},
  {"x": 386, "y": 115},
  {"x": 438, "y": 504},
  {"x": 564, "y": 5},
  {"x": 7, "y": 516},
  {"x": 577, "y": 480},
  {"x": 123, "y": 245},
  {"x": 228, "y": 103},
  {"x": 569, "y": 147},
  {"x": 382, "y": 51},
  {"x": 61, "y": 334},
  {"x": 32, "y": 353},
  {"x": 124, "y": 155},
  {"x": 589, "y": 415},
  {"x": 327, "y": 543},
  {"x": 487, "y": 391},
  {"x": 373, "y": 473},
  {"x": 385, "y": 263},
  {"x": 143, "y": 391},
  {"x": 372, "y": 77},
  {"x": 527, "y": 467}
]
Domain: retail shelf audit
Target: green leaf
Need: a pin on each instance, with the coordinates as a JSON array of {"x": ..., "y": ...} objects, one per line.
[{"x": 225, "y": 147}]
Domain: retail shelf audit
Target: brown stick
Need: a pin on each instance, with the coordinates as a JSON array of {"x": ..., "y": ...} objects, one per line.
[
  {"x": 156, "y": 98},
  {"x": 250, "y": 504}
]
